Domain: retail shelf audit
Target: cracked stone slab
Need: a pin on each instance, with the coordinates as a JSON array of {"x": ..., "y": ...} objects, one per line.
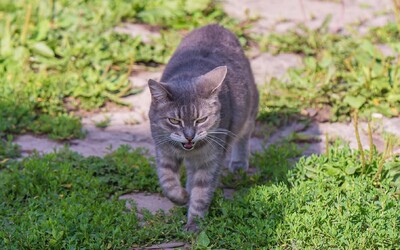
[
  {"x": 98, "y": 142},
  {"x": 281, "y": 15},
  {"x": 151, "y": 202},
  {"x": 265, "y": 66},
  {"x": 139, "y": 78}
]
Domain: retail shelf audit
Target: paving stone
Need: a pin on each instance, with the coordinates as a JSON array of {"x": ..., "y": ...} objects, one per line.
[
  {"x": 281, "y": 15},
  {"x": 151, "y": 202},
  {"x": 265, "y": 66}
]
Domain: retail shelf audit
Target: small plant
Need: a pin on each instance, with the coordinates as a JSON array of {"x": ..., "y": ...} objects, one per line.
[
  {"x": 341, "y": 73},
  {"x": 54, "y": 60},
  {"x": 104, "y": 123},
  {"x": 8, "y": 150},
  {"x": 271, "y": 165},
  {"x": 63, "y": 200},
  {"x": 360, "y": 147}
]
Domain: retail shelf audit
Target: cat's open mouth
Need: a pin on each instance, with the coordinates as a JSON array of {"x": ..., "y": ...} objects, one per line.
[{"x": 188, "y": 145}]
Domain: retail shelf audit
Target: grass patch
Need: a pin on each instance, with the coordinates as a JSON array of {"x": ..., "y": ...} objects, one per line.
[
  {"x": 341, "y": 73},
  {"x": 309, "y": 214},
  {"x": 61, "y": 56},
  {"x": 326, "y": 202},
  {"x": 8, "y": 150},
  {"x": 64, "y": 200},
  {"x": 272, "y": 164}
]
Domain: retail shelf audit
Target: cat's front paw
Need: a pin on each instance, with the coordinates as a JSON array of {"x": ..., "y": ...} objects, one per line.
[
  {"x": 237, "y": 165},
  {"x": 179, "y": 196},
  {"x": 192, "y": 227}
]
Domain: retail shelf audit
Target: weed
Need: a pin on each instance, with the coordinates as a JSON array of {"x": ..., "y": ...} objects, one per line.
[
  {"x": 271, "y": 166},
  {"x": 360, "y": 147},
  {"x": 340, "y": 73},
  {"x": 104, "y": 123},
  {"x": 53, "y": 56},
  {"x": 8, "y": 150},
  {"x": 64, "y": 200}
]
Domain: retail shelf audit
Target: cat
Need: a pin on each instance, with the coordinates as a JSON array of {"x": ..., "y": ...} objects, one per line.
[{"x": 205, "y": 103}]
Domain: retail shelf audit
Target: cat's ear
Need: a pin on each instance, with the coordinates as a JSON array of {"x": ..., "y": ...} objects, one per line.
[
  {"x": 159, "y": 91},
  {"x": 211, "y": 82}
]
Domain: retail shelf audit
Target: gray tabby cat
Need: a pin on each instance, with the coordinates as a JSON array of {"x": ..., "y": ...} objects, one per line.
[{"x": 205, "y": 103}]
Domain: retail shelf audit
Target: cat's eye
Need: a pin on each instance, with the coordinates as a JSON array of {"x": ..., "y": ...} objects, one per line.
[
  {"x": 174, "y": 121},
  {"x": 201, "y": 120}
]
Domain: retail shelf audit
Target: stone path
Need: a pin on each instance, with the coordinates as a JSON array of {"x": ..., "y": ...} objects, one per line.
[{"x": 131, "y": 126}]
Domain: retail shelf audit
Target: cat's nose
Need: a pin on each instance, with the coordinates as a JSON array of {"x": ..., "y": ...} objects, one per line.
[{"x": 189, "y": 133}]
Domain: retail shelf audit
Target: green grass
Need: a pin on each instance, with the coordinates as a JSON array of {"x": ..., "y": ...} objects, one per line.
[
  {"x": 340, "y": 73},
  {"x": 104, "y": 123},
  {"x": 281, "y": 154},
  {"x": 8, "y": 150},
  {"x": 60, "y": 56},
  {"x": 64, "y": 200}
]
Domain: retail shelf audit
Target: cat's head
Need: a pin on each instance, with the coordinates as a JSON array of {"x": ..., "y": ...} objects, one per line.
[{"x": 186, "y": 115}]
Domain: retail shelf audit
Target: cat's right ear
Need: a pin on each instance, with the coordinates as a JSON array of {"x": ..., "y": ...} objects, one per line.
[{"x": 159, "y": 91}]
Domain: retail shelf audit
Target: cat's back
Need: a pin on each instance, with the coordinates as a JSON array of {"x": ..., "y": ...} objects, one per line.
[
  {"x": 204, "y": 49},
  {"x": 211, "y": 37}
]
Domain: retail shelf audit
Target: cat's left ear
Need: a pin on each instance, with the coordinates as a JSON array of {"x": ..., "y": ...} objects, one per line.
[{"x": 211, "y": 82}]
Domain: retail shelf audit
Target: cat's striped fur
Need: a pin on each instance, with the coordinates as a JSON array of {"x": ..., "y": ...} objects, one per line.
[{"x": 205, "y": 103}]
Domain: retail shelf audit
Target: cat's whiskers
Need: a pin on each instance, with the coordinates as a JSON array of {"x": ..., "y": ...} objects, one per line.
[
  {"x": 227, "y": 145},
  {"x": 210, "y": 139},
  {"x": 162, "y": 142},
  {"x": 161, "y": 139},
  {"x": 222, "y": 131},
  {"x": 217, "y": 138},
  {"x": 211, "y": 143}
]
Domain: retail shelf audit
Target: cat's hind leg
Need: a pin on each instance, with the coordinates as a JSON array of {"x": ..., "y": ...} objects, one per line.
[
  {"x": 241, "y": 148},
  {"x": 168, "y": 176}
]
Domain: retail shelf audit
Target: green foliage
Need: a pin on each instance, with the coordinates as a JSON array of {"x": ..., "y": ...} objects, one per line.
[
  {"x": 59, "y": 54},
  {"x": 104, "y": 123},
  {"x": 326, "y": 202},
  {"x": 310, "y": 214},
  {"x": 272, "y": 165},
  {"x": 20, "y": 118},
  {"x": 8, "y": 150},
  {"x": 387, "y": 34},
  {"x": 342, "y": 163},
  {"x": 63, "y": 200},
  {"x": 341, "y": 73},
  {"x": 61, "y": 127}
]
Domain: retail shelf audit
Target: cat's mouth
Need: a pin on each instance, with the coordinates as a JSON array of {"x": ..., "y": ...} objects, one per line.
[{"x": 188, "y": 145}]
